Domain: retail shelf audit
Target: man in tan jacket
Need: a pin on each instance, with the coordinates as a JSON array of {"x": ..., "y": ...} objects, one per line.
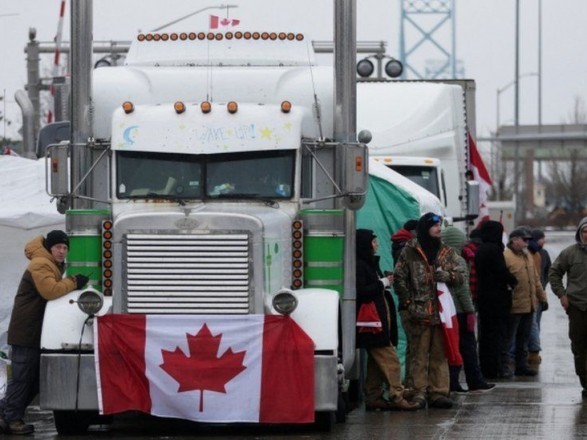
[
  {"x": 526, "y": 297},
  {"x": 42, "y": 281}
]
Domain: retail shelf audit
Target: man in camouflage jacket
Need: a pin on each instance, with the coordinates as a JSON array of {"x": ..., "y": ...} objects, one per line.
[{"x": 424, "y": 262}]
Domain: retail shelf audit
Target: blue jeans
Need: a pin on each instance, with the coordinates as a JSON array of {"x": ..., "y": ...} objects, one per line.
[
  {"x": 519, "y": 333},
  {"x": 23, "y": 385},
  {"x": 534, "y": 341}
]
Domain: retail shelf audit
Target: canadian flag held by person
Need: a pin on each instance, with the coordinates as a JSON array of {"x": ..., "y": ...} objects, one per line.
[
  {"x": 217, "y": 22},
  {"x": 252, "y": 369},
  {"x": 481, "y": 175},
  {"x": 450, "y": 325}
]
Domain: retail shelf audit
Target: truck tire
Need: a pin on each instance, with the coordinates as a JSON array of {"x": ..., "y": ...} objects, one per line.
[
  {"x": 324, "y": 421},
  {"x": 73, "y": 422},
  {"x": 341, "y": 409}
]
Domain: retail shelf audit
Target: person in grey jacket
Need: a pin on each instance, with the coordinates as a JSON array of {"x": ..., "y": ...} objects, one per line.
[{"x": 572, "y": 261}]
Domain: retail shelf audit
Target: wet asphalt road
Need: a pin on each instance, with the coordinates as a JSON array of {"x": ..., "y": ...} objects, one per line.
[{"x": 548, "y": 406}]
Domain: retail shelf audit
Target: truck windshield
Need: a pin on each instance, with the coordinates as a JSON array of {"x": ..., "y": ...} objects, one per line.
[
  {"x": 142, "y": 175},
  {"x": 251, "y": 174},
  {"x": 426, "y": 177}
]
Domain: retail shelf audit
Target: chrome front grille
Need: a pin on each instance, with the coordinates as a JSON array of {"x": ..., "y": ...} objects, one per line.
[{"x": 189, "y": 274}]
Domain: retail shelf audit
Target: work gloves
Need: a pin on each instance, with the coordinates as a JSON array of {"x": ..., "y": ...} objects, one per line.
[{"x": 80, "y": 281}]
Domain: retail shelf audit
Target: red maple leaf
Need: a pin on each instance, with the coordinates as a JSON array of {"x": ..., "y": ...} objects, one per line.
[{"x": 203, "y": 369}]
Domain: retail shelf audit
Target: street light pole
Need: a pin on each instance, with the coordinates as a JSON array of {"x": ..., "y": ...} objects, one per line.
[
  {"x": 517, "y": 116},
  {"x": 500, "y": 90},
  {"x": 498, "y": 93},
  {"x": 194, "y": 13},
  {"x": 539, "y": 62}
]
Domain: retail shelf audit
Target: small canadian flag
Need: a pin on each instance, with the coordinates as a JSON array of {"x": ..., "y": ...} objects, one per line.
[{"x": 217, "y": 22}]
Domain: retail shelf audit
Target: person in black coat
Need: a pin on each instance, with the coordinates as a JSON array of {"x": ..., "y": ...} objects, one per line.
[
  {"x": 377, "y": 334},
  {"x": 495, "y": 284}
]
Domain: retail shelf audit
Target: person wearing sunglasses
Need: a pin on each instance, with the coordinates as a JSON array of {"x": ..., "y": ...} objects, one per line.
[
  {"x": 423, "y": 263},
  {"x": 526, "y": 297}
]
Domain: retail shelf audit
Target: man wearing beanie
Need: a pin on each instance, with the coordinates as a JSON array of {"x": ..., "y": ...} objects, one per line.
[
  {"x": 572, "y": 262},
  {"x": 455, "y": 238},
  {"x": 42, "y": 281},
  {"x": 424, "y": 262}
]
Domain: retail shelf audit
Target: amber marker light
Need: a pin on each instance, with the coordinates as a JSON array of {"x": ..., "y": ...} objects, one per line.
[
  {"x": 299, "y": 37},
  {"x": 128, "y": 107},
  {"x": 206, "y": 107},
  {"x": 286, "y": 106},
  {"x": 141, "y": 37},
  {"x": 179, "y": 107},
  {"x": 232, "y": 107},
  {"x": 358, "y": 164}
]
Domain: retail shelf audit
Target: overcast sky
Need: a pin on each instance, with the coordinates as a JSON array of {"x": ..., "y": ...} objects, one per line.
[{"x": 485, "y": 40}]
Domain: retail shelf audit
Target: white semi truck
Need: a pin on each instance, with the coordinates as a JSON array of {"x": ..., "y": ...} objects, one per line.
[
  {"x": 216, "y": 173},
  {"x": 421, "y": 130}
]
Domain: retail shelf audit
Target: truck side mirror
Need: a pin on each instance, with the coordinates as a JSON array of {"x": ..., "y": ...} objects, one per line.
[
  {"x": 57, "y": 171},
  {"x": 473, "y": 198},
  {"x": 355, "y": 174}
]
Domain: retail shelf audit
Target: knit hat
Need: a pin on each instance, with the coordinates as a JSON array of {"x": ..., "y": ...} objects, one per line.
[
  {"x": 453, "y": 237},
  {"x": 427, "y": 221},
  {"x": 410, "y": 225},
  {"x": 537, "y": 234},
  {"x": 56, "y": 237},
  {"x": 430, "y": 245}
]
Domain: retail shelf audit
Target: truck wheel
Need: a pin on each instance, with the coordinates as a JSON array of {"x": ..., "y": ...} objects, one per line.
[
  {"x": 73, "y": 422},
  {"x": 324, "y": 420},
  {"x": 341, "y": 409}
]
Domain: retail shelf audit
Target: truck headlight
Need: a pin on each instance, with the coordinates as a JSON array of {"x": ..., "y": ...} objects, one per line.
[
  {"x": 90, "y": 301},
  {"x": 285, "y": 302}
]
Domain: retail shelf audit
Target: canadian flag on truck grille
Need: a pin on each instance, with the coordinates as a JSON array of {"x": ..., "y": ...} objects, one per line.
[{"x": 254, "y": 368}]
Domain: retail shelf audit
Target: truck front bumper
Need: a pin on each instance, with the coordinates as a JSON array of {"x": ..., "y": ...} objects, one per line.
[{"x": 61, "y": 386}]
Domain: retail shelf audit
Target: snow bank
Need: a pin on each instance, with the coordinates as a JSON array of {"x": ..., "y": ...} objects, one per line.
[{"x": 24, "y": 204}]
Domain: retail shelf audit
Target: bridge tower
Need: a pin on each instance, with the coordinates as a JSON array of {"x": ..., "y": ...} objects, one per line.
[{"x": 427, "y": 40}]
